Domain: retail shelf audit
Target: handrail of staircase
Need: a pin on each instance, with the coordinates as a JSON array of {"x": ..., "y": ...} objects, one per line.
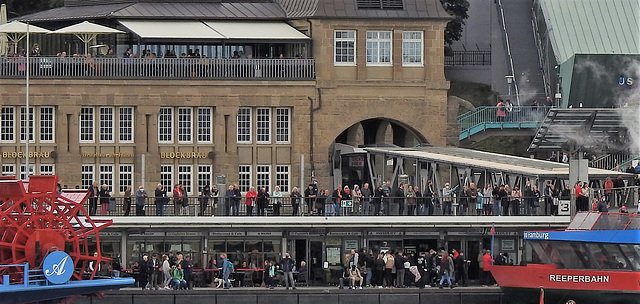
[
  {"x": 541, "y": 59},
  {"x": 506, "y": 37},
  {"x": 614, "y": 161},
  {"x": 488, "y": 114}
]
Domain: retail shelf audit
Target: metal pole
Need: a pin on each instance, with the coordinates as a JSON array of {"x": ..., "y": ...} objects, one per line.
[{"x": 27, "y": 112}]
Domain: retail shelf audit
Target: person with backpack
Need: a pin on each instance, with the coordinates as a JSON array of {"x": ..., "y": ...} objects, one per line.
[{"x": 227, "y": 268}]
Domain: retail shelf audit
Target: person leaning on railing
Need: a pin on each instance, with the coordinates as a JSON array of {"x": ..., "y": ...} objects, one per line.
[{"x": 276, "y": 200}]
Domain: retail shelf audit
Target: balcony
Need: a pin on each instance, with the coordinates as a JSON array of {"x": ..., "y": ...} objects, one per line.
[{"x": 158, "y": 68}]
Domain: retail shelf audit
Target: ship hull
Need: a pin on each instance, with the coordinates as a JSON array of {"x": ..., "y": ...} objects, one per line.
[{"x": 523, "y": 284}]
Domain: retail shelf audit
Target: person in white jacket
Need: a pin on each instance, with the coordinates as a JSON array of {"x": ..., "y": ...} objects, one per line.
[{"x": 166, "y": 271}]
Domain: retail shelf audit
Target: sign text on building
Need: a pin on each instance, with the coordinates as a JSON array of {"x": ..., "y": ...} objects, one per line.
[{"x": 173, "y": 155}]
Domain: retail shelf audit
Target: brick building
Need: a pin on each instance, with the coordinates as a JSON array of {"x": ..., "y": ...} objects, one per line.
[{"x": 312, "y": 73}]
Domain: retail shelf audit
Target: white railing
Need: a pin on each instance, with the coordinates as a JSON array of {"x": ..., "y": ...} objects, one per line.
[{"x": 158, "y": 68}]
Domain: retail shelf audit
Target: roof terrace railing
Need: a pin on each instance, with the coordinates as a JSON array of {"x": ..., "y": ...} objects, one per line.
[{"x": 158, "y": 68}]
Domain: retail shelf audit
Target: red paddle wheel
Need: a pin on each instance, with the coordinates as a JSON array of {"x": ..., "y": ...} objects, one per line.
[{"x": 35, "y": 220}]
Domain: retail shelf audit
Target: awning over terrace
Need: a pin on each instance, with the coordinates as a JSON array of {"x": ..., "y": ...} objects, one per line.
[
  {"x": 170, "y": 29},
  {"x": 256, "y": 30},
  {"x": 213, "y": 30}
]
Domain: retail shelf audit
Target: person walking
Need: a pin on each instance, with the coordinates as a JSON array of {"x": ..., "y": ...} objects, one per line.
[
  {"x": 287, "y": 264},
  {"x": 446, "y": 270},
  {"x": 227, "y": 268}
]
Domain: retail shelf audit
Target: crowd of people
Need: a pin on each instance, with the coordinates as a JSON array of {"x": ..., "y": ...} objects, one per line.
[
  {"x": 360, "y": 269},
  {"x": 501, "y": 200}
]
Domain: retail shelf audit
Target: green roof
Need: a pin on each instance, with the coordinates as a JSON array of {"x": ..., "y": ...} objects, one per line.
[{"x": 592, "y": 26}]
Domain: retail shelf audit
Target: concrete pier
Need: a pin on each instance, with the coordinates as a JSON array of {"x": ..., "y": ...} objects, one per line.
[{"x": 303, "y": 295}]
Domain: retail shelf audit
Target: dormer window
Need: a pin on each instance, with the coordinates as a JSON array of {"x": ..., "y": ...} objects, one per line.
[{"x": 380, "y": 4}]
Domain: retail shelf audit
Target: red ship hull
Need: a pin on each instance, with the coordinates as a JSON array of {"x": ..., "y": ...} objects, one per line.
[{"x": 522, "y": 284}]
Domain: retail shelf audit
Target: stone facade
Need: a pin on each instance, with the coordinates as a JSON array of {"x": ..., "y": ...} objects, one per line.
[{"x": 340, "y": 97}]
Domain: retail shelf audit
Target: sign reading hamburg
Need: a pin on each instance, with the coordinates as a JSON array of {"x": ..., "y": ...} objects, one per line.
[{"x": 58, "y": 267}]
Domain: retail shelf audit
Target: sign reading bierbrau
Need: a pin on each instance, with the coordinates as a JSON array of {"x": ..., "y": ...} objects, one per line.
[{"x": 57, "y": 267}]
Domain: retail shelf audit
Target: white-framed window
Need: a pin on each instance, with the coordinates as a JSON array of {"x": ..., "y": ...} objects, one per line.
[
  {"x": 125, "y": 177},
  {"x": 379, "y": 48},
  {"x": 244, "y": 125},
  {"x": 26, "y": 127},
  {"x": 8, "y": 170},
  {"x": 106, "y": 124},
  {"x": 47, "y": 123},
  {"x": 87, "y": 125},
  {"x": 283, "y": 125},
  {"x": 125, "y": 121},
  {"x": 87, "y": 176},
  {"x": 185, "y": 125},
  {"x": 106, "y": 176},
  {"x": 244, "y": 177},
  {"x": 412, "y": 48},
  {"x": 263, "y": 177},
  {"x": 204, "y": 176},
  {"x": 165, "y": 126},
  {"x": 184, "y": 177},
  {"x": 7, "y": 125},
  {"x": 47, "y": 169},
  {"x": 166, "y": 177},
  {"x": 344, "y": 47},
  {"x": 263, "y": 125},
  {"x": 23, "y": 171},
  {"x": 283, "y": 178},
  {"x": 205, "y": 125}
]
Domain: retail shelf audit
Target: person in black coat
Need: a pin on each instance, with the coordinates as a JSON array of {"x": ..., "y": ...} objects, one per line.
[
  {"x": 399, "y": 198},
  {"x": 144, "y": 272}
]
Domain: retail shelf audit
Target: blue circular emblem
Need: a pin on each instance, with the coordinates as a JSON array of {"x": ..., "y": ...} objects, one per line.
[{"x": 57, "y": 267}]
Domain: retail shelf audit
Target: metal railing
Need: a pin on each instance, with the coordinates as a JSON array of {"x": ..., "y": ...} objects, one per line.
[
  {"x": 158, "y": 68},
  {"x": 12, "y": 275},
  {"x": 508, "y": 46},
  {"x": 486, "y": 117},
  {"x": 462, "y": 58},
  {"x": 613, "y": 161},
  {"x": 389, "y": 206}
]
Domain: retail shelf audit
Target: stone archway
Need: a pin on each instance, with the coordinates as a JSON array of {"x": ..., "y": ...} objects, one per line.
[
  {"x": 380, "y": 131},
  {"x": 349, "y": 163}
]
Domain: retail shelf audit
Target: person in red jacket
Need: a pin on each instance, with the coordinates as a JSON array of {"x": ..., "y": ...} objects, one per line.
[
  {"x": 250, "y": 199},
  {"x": 487, "y": 261}
]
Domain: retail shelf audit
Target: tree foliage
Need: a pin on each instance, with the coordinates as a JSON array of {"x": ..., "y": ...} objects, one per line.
[
  {"x": 16, "y": 8},
  {"x": 457, "y": 8}
]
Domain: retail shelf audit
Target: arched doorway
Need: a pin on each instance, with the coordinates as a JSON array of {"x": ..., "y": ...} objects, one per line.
[{"x": 350, "y": 164}]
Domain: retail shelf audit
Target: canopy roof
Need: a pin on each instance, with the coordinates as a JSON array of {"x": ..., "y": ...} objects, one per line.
[
  {"x": 460, "y": 157},
  {"x": 592, "y": 26}
]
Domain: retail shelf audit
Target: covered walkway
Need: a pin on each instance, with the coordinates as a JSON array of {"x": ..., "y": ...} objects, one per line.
[{"x": 464, "y": 166}]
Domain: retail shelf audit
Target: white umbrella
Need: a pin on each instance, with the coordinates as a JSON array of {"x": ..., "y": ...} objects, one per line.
[
  {"x": 17, "y": 30},
  {"x": 86, "y": 31}
]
